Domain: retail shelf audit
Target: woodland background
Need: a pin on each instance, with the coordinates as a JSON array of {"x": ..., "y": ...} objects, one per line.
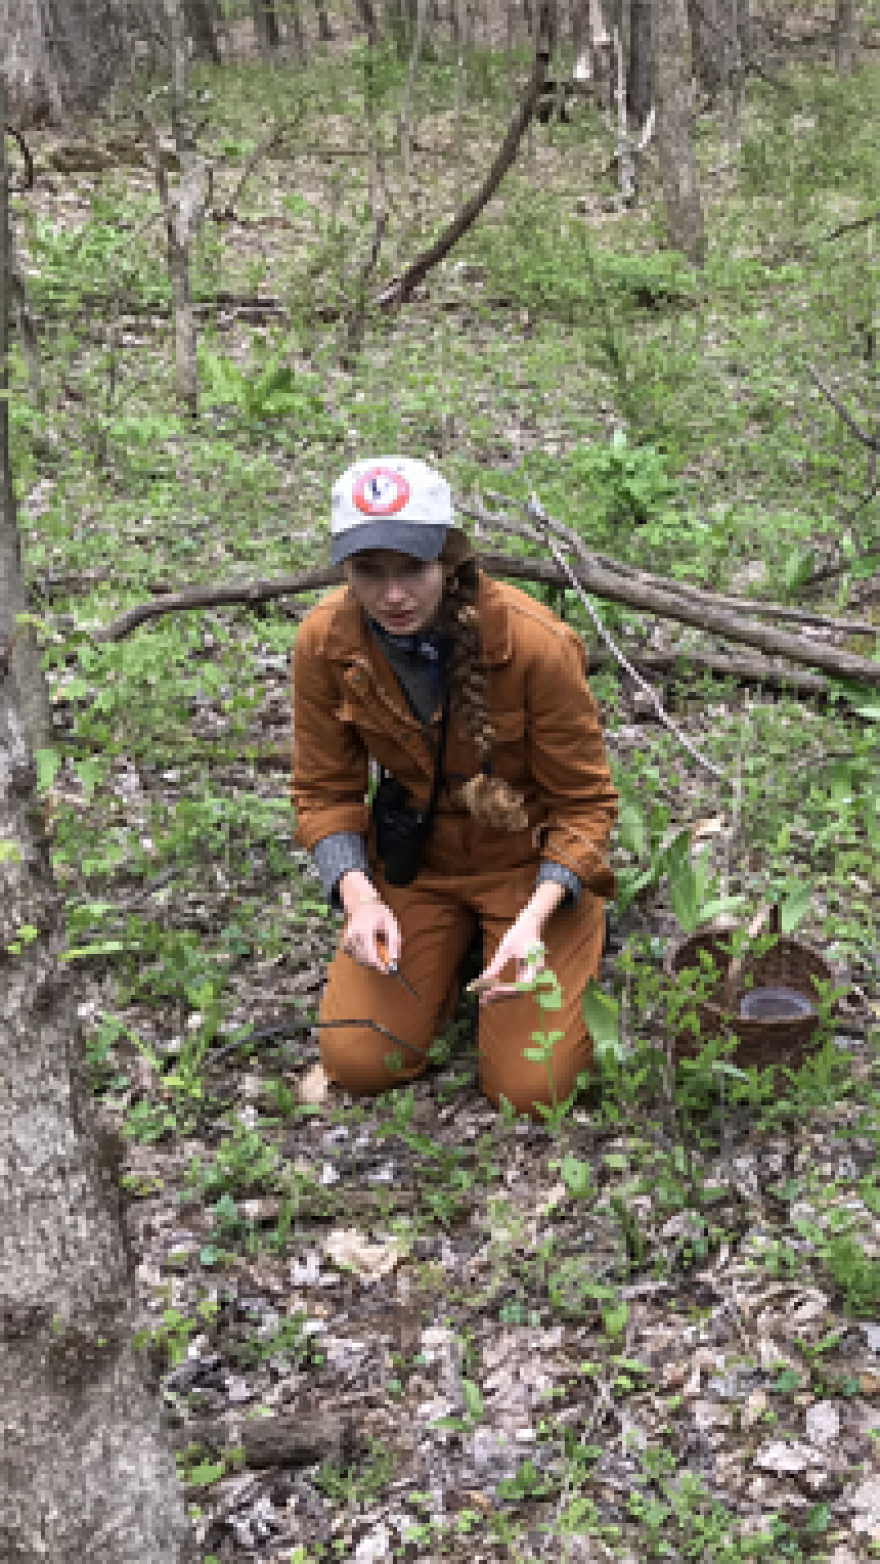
[{"x": 648, "y": 1328}]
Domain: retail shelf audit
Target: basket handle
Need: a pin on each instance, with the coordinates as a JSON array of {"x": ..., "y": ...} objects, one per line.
[{"x": 734, "y": 971}]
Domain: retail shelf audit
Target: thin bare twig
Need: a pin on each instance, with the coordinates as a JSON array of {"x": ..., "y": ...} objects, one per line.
[
  {"x": 872, "y": 441},
  {"x": 539, "y": 515}
]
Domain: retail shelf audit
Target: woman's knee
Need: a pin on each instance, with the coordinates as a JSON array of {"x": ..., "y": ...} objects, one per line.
[{"x": 364, "y": 1062}]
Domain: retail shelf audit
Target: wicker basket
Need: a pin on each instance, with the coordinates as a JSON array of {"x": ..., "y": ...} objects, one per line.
[{"x": 789, "y": 964}]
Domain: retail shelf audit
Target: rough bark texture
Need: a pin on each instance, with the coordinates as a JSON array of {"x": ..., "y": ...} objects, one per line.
[
  {"x": 13, "y": 594},
  {"x": 85, "y": 1471},
  {"x": 675, "y": 146},
  {"x": 844, "y": 28},
  {"x": 59, "y": 56},
  {"x": 183, "y": 213},
  {"x": 265, "y": 25},
  {"x": 201, "y": 25},
  {"x": 719, "y": 40},
  {"x": 640, "y": 83}
]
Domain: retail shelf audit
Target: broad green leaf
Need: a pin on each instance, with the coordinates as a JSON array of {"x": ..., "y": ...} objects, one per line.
[
  {"x": 794, "y": 907},
  {"x": 601, "y": 1013},
  {"x": 48, "y": 766}
]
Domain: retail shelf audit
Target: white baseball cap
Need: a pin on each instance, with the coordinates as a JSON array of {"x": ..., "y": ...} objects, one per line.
[{"x": 390, "y": 502}]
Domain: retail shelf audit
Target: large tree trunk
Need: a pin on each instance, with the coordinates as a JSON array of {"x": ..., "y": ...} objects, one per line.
[
  {"x": 25, "y": 655},
  {"x": 85, "y": 1470},
  {"x": 675, "y": 145},
  {"x": 59, "y": 57},
  {"x": 640, "y": 76}
]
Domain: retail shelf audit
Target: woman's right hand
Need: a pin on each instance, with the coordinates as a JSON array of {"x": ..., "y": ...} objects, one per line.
[{"x": 372, "y": 933}]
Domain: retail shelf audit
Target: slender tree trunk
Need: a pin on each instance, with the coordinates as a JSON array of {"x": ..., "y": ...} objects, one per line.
[
  {"x": 59, "y": 56},
  {"x": 844, "y": 30},
  {"x": 640, "y": 84},
  {"x": 201, "y": 27},
  {"x": 85, "y": 1470},
  {"x": 265, "y": 25},
  {"x": 675, "y": 146},
  {"x": 183, "y": 213}
]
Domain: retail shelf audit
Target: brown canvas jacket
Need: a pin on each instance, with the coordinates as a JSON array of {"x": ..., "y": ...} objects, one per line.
[{"x": 349, "y": 706}]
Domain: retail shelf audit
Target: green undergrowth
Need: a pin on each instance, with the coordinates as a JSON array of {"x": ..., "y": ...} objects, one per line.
[{"x": 670, "y": 418}]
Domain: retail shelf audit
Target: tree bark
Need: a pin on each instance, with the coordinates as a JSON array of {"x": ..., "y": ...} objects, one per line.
[
  {"x": 675, "y": 145},
  {"x": 706, "y": 43},
  {"x": 60, "y": 57},
  {"x": 640, "y": 83},
  {"x": 201, "y": 27},
  {"x": 844, "y": 37},
  {"x": 183, "y": 212},
  {"x": 265, "y": 25},
  {"x": 25, "y": 655},
  {"x": 85, "y": 1470}
]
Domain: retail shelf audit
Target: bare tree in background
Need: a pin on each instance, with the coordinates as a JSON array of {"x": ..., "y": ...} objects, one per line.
[
  {"x": 265, "y": 25},
  {"x": 640, "y": 76},
  {"x": 670, "y": 45},
  {"x": 844, "y": 37},
  {"x": 184, "y": 209},
  {"x": 85, "y": 1471},
  {"x": 59, "y": 57},
  {"x": 202, "y": 21}
]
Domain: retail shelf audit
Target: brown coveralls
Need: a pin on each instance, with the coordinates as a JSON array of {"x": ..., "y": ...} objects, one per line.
[{"x": 348, "y": 706}]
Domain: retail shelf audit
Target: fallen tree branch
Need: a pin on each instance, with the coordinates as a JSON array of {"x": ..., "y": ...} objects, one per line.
[
  {"x": 398, "y": 291},
  {"x": 546, "y": 573},
  {"x": 595, "y": 578},
  {"x": 745, "y": 670},
  {"x": 664, "y": 602}
]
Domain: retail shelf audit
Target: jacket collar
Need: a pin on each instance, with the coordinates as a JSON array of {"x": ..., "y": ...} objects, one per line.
[{"x": 349, "y": 638}]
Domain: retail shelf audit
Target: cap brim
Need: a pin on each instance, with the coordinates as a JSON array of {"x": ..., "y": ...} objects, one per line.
[{"x": 401, "y": 537}]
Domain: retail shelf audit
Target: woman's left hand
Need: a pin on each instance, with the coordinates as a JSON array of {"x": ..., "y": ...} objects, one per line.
[{"x": 521, "y": 944}]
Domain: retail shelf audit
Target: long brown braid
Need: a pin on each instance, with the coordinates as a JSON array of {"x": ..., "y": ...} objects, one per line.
[{"x": 490, "y": 800}]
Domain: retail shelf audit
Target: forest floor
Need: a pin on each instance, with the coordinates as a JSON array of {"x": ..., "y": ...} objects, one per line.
[{"x": 409, "y": 1328}]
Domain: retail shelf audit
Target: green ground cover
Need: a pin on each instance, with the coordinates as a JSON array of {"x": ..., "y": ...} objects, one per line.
[{"x": 668, "y": 416}]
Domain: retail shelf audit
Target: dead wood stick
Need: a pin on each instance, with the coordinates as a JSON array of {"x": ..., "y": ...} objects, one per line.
[
  {"x": 226, "y": 212},
  {"x": 594, "y": 578},
  {"x": 743, "y": 669},
  {"x": 399, "y": 290},
  {"x": 271, "y": 1441},
  {"x": 872, "y": 441},
  {"x": 542, "y": 571}
]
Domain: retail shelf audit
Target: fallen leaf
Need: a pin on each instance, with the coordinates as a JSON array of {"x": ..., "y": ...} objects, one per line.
[
  {"x": 314, "y": 1086},
  {"x": 784, "y": 1459},
  {"x": 822, "y": 1423},
  {"x": 755, "y": 1407},
  {"x": 866, "y": 1503},
  {"x": 349, "y": 1249},
  {"x": 869, "y": 1384}
]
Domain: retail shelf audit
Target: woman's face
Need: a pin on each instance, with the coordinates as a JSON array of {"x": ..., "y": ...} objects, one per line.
[{"x": 401, "y": 592}]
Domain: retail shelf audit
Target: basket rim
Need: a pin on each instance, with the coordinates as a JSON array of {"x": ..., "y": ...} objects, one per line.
[{"x": 712, "y": 1007}]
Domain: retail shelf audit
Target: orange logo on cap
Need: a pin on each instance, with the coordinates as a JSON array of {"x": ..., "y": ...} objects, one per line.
[{"x": 380, "y": 492}]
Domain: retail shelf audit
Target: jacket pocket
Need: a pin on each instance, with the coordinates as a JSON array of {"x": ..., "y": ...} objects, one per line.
[{"x": 509, "y": 747}]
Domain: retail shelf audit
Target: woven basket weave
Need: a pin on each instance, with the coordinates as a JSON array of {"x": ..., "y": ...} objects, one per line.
[{"x": 788, "y": 964}]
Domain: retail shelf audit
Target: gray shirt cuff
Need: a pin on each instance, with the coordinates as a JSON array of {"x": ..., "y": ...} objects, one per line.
[
  {"x": 334, "y": 856},
  {"x": 560, "y": 875}
]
